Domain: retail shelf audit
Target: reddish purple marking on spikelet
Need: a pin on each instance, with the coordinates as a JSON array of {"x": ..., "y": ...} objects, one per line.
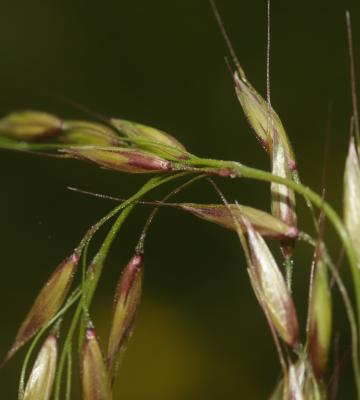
[
  {"x": 263, "y": 143},
  {"x": 148, "y": 163},
  {"x": 133, "y": 267},
  {"x": 292, "y": 165},
  {"x": 293, "y": 232},
  {"x": 90, "y": 334},
  {"x": 75, "y": 258}
]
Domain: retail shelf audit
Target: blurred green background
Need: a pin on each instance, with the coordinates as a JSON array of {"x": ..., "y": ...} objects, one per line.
[{"x": 200, "y": 333}]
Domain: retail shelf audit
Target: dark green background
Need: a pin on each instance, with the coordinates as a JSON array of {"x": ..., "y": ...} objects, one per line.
[{"x": 200, "y": 333}]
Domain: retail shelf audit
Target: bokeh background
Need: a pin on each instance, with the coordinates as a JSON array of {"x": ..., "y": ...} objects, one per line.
[{"x": 200, "y": 333}]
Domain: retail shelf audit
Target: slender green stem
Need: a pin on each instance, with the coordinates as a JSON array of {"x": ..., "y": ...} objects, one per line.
[
  {"x": 85, "y": 310},
  {"x": 83, "y": 277},
  {"x": 66, "y": 346},
  {"x": 69, "y": 372},
  {"x": 93, "y": 274},
  {"x": 97, "y": 266}
]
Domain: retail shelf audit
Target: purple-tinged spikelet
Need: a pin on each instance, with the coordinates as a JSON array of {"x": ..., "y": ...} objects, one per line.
[
  {"x": 94, "y": 373},
  {"x": 126, "y": 302},
  {"x": 41, "y": 380},
  {"x": 257, "y": 110},
  {"x": 121, "y": 159},
  {"x": 264, "y": 223},
  {"x": 271, "y": 134},
  {"x": 47, "y": 303},
  {"x": 270, "y": 287},
  {"x": 319, "y": 317}
]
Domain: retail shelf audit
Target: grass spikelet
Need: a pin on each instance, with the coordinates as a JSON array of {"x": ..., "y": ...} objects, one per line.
[
  {"x": 320, "y": 317},
  {"x": 95, "y": 378},
  {"x": 41, "y": 380},
  {"x": 121, "y": 159},
  {"x": 271, "y": 288},
  {"x": 30, "y": 125},
  {"x": 47, "y": 303},
  {"x": 352, "y": 197},
  {"x": 126, "y": 302},
  {"x": 88, "y": 133},
  {"x": 152, "y": 138},
  {"x": 264, "y": 223}
]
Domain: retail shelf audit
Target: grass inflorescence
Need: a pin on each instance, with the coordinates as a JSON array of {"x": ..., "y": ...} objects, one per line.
[{"x": 130, "y": 147}]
